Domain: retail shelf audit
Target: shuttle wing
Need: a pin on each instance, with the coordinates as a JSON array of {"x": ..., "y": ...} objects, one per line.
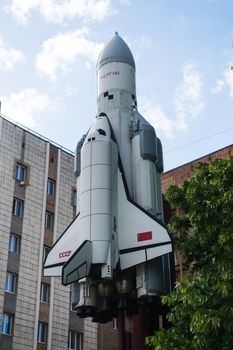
[
  {"x": 78, "y": 266},
  {"x": 141, "y": 237},
  {"x": 63, "y": 249}
]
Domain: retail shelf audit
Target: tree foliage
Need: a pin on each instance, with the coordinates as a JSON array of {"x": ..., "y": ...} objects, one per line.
[
  {"x": 201, "y": 306},
  {"x": 232, "y": 66}
]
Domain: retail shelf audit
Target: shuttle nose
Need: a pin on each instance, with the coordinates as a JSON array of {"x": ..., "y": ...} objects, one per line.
[{"x": 100, "y": 130}]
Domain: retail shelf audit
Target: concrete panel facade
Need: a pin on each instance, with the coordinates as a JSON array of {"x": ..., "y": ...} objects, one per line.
[{"x": 42, "y": 161}]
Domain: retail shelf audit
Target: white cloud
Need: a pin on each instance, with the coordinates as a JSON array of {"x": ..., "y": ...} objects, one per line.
[
  {"x": 189, "y": 101},
  {"x": 71, "y": 91},
  {"x": 228, "y": 75},
  {"x": 27, "y": 107},
  {"x": 9, "y": 56},
  {"x": 226, "y": 81},
  {"x": 125, "y": 2},
  {"x": 58, "y": 11},
  {"x": 61, "y": 51},
  {"x": 20, "y": 10},
  {"x": 156, "y": 116},
  {"x": 87, "y": 65},
  {"x": 218, "y": 87},
  {"x": 145, "y": 42}
]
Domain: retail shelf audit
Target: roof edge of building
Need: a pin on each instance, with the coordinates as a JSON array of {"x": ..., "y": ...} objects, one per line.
[
  {"x": 197, "y": 159},
  {"x": 36, "y": 134}
]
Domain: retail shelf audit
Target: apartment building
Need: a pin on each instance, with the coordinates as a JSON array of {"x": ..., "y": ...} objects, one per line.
[{"x": 37, "y": 203}]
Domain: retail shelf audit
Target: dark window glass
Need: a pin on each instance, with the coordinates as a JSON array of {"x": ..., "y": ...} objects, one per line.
[
  {"x": 114, "y": 323},
  {"x": 7, "y": 324},
  {"x": 45, "y": 252},
  {"x": 48, "y": 220},
  {"x": 75, "y": 341},
  {"x": 20, "y": 172},
  {"x": 10, "y": 282},
  {"x": 17, "y": 207},
  {"x": 51, "y": 187},
  {"x": 74, "y": 198},
  {"x": 14, "y": 243},
  {"x": 42, "y": 332},
  {"x": 71, "y": 302},
  {"x": 44, "y": 293}
]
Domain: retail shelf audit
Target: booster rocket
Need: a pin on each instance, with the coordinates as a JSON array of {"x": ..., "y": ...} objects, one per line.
[{"x": 116, "y": 251}]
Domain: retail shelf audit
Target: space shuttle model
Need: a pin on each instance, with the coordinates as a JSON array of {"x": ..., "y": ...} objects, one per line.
[{"x": 116, "y": 251}]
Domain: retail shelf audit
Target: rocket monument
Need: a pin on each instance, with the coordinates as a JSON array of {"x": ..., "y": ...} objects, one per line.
[{"x": 116, "y": 251}]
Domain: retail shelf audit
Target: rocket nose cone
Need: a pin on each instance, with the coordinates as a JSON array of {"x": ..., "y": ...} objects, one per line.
[{"x": 116, "y": 50}]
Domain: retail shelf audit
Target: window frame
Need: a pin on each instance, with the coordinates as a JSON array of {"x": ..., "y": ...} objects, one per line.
[
  {"x": 18, "y": 169},
  {"x": 44, "y": 293},
  {"x": 11, "y": 282},
  {"x": 114, "y": 323},
  {"x": 19, "y": 163},
  {"x": 39, "y": 332},
  {"x": 53, "y": 186},
  {"x": 50, "y": 221},
  {"x": 15, "y": 208},
  {"x": 74, "y": 198},
  {"x": 71, "y": 306},
  {"x": 46, "y": 250},
  {"x": 77, "y": 340},
  {"x": 7, "y": 328},
  {"x": 11, "y": 237}
]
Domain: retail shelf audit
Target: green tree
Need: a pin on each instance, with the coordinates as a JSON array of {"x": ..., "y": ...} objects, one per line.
[
  {"x": 232, "y": 66},
  {"x": 201, "y": 306}
]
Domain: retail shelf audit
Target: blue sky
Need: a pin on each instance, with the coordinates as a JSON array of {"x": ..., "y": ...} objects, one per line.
[{"x": 182, "y": 49}]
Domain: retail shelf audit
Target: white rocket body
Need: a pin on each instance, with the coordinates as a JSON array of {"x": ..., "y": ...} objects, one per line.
[
  {"x": 118, "y": 179},
  {"x": 116, "y": 86}
]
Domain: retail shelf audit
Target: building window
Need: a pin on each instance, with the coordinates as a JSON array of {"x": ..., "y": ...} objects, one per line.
[
  {"x": 51, "y": 187},
  {"x": 45, "y": 252},
  {"x": 7, "y": 324},
  {"x": 42, "y": 332},
  {"x": 20, "y": 172},
  {"x": 75, "y": 341},
  {"x": 10, "y": 282},
  {"x": 17, "y": 209},
  {"x": 14, "y": 243},
  {"x": 71, "y": 302},
  {"x": 48, "y": 220},
  {"x": 114, "y": 323},
  {"x": 44, "y": 293},
  {"x": 74, "y": 198}
]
